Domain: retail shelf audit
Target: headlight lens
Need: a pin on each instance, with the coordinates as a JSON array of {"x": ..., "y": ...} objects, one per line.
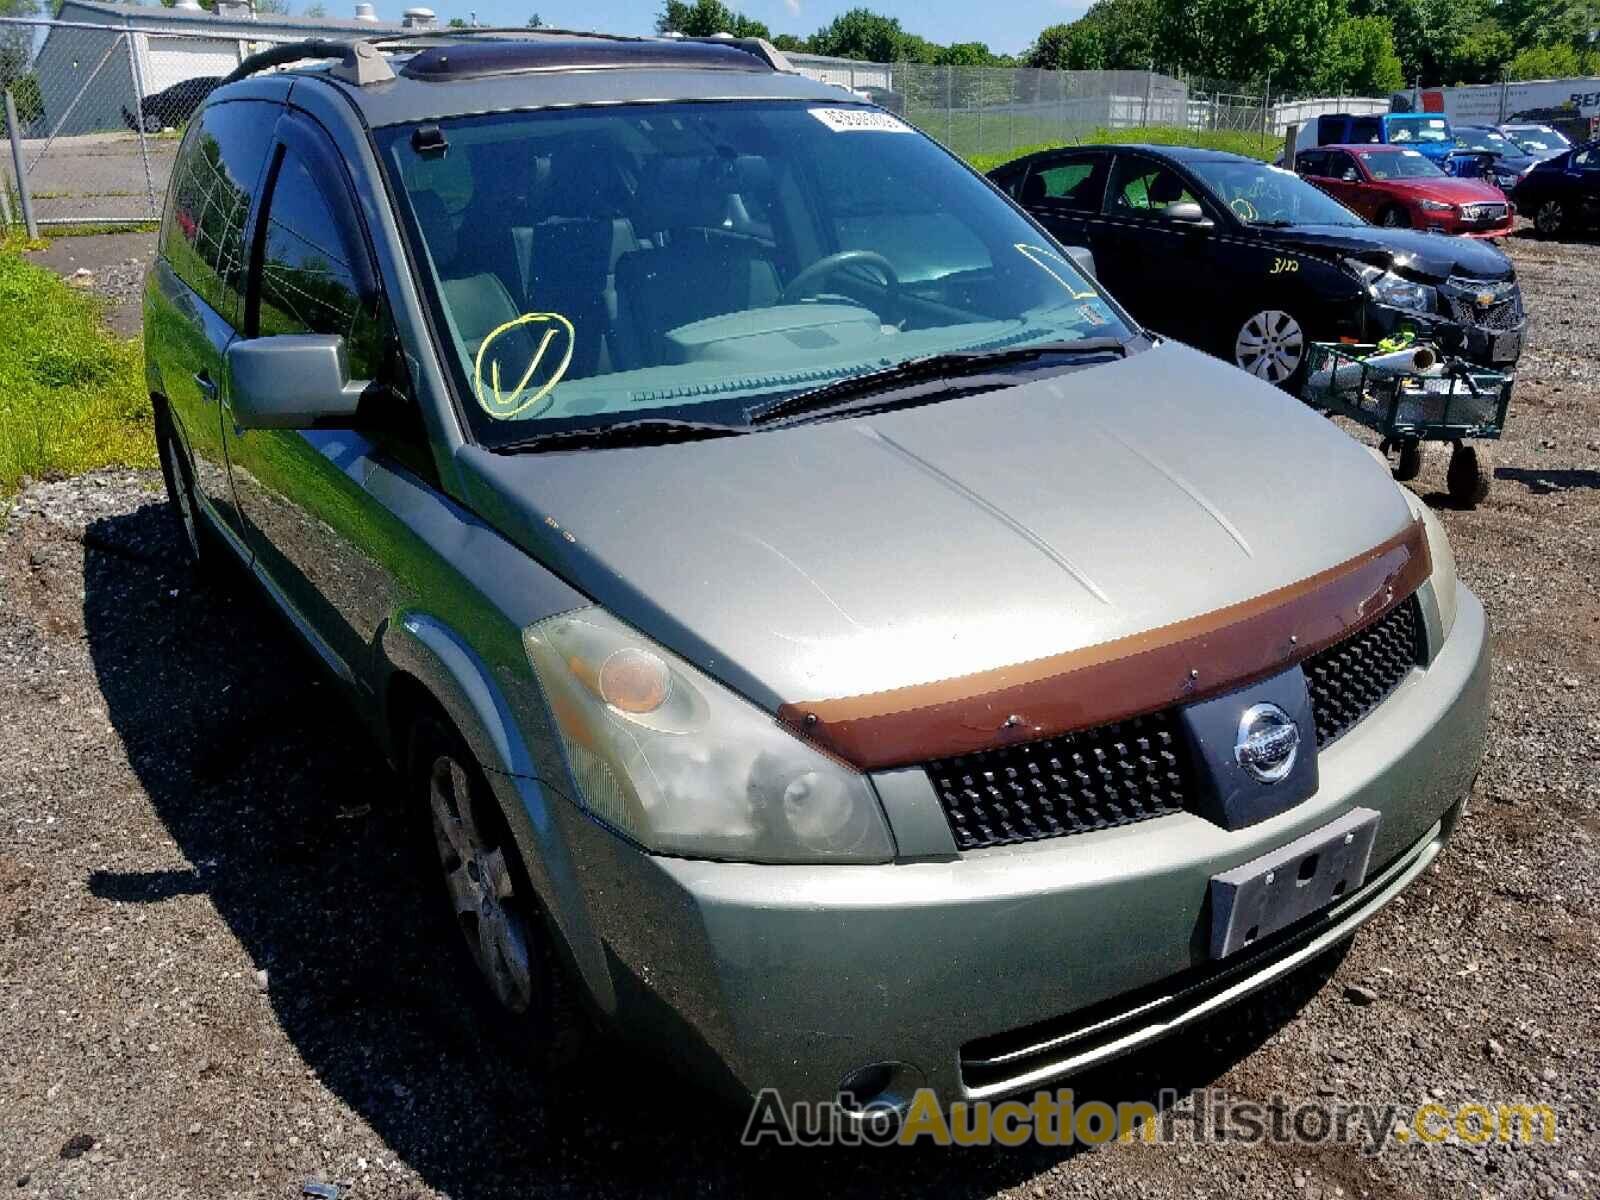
[
  {"x": 1445, "y": 582},
  {"x": 668, "y": 756},
  {"x": 1388, "y": 288},
  {"x": 1437, "y": 206}
]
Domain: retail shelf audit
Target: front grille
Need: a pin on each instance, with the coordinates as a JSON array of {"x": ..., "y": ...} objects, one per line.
[
  {"x": 1352, "y": 678},
  {"x": 1485, "y": 213},
  {"x": 1089, "y": 779},
  {"x": 1504, "y": 310}
]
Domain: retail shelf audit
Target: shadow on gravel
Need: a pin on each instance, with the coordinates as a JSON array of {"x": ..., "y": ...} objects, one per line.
[
  {"x": 271, "y": 790},
  {"x": 1544, "y": 483}
]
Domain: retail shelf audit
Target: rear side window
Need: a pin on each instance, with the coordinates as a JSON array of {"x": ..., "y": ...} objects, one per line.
[
  {"x": 308, "y": 282},
  {"x": 1313, "y": 162},
  {"x": 1074, "y": 183},
  {"x": 213, "y": 181}
]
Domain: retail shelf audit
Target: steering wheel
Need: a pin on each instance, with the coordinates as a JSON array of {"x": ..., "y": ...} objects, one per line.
[
  {"x": 1243, "y": 207},
  {"x": 805, "y": 283}
]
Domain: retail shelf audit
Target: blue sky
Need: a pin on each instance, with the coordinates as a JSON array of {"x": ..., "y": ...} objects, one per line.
[{"x": 1008, "y": 26}]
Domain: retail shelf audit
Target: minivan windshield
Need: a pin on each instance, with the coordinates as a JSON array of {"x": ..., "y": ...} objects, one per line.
[{"x": 696, "y": 261}]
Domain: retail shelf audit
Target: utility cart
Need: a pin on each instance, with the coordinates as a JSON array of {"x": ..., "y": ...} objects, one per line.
[{"x": 1445, "y": 401}]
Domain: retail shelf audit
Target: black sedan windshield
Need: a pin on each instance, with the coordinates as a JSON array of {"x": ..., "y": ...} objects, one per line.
[
  {"x": 1263, "y": 195},
  {"x": 693, "y": 262}
]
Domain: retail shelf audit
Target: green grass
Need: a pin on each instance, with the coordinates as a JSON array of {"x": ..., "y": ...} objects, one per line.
[
  {"x": 1232, "y": 141},
  {"x": 72, "y": 395}
]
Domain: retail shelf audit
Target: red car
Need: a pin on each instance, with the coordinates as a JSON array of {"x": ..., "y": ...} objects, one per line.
[{"x": 1391, "y": 185}]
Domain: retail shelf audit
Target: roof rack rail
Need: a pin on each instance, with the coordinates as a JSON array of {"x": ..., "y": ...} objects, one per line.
[{"x": 360, "y": 62}]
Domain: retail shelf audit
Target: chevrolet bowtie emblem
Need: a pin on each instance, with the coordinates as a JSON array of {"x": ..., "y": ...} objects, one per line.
[{"x": 1485, "y": 299}]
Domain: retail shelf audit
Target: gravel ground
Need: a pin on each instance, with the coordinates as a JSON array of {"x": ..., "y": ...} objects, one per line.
[{"x": 219, "y": 974}]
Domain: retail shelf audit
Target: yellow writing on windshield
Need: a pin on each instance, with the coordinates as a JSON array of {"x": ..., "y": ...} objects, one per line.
[{"x": 524, "y": 396}]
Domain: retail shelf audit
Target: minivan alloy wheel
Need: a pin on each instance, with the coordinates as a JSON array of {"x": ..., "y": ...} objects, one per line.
[
  {"x": 1271, "y": 346},
  {"x": 1550, "y": 217},
  {"x": 481, "y": 887}
]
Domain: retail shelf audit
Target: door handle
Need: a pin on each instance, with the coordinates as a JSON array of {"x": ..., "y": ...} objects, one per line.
[{"x": 208, "y": 385}]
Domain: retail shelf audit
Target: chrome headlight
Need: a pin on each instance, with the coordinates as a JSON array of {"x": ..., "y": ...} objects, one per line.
[
  {"x": 671, "y": 758},
  {"x": 1388, "y": 288},
  {"x": 1444, "y": 579},
  {"x": 1437, "y": 206}
]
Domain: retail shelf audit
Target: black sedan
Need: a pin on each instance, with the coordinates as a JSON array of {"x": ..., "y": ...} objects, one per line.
[
  {"x": 1562, "y": 194},
  {"x": 1252, "y": 263},
  {"x": 171, "y": 107}
]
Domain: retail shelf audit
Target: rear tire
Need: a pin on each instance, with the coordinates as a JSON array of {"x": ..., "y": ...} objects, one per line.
[
  {"x": 505, "y": 936},
  {"x": 1467, "y": 480},
  {"x": 201, "y": 552}
]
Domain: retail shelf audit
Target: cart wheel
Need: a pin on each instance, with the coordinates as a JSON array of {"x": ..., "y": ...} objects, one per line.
[
  {"x": 1410, "y": 465},
  {"x": 1467, "y": 480}
]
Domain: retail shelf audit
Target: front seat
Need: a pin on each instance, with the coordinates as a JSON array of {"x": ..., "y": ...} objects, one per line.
[
  {"x": 700, "y": 270},
  {"x": 476, "y": 303}
]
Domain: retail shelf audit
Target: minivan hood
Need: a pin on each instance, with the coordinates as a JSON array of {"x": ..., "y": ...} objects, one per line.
[
  {"x": 1427, "y": 256},
  {"x": 861, "y": 554}
]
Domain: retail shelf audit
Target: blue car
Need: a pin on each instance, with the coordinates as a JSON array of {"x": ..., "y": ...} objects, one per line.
[{"x": 1429, "y": 133}]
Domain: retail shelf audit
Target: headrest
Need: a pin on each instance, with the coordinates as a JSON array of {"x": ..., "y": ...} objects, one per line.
[
  {"x": 1166, "y": 188},
  {"x": 433, "y": 218},
  {"x": 582, "y": 183},
  {"x": 1033, "y": 190}
]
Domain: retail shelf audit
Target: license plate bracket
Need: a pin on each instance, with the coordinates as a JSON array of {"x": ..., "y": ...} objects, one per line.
[{"x": 1272, "y": 892}]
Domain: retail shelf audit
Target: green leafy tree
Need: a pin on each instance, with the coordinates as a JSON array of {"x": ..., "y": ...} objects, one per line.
[
  {"x": 458, "y": 23},
  {"x": 535, "y": 22},
  {"x": 1245, "y": 40},
  {"x": 703, "y": 18},
  {"x": 1114, "y": 35},
  {"x": 1360, "y": 59},
  {"x": 966, "y": 54},
  {"x": 16, "y": 44},
  {"x": 790, "y": 44},
  {"x": 1552, "y": 62},
  {"x": 316, "y": 9},
  {"x": 862, "y": 34}
]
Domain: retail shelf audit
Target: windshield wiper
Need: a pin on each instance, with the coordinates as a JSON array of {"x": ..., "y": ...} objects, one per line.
[
  {"x": 645, "y": 431},
  {"x": 932, "y": 368}
]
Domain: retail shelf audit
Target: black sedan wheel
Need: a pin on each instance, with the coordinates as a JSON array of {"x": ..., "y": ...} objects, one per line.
[
  {"x": 1550, "y": 218},
  {"x": 1271, "y": 345}
]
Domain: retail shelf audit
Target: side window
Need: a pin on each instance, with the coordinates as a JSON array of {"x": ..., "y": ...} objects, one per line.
[
  {"x": 308, "y": 283},
  {"x": 1342, "y": 166},
  {"x": 213, "y": 181},
  {"x": 1313, "y": 162},
  {"x": 1071, "y": 183},
  {"x": 1139, "y": 186},
  {"x": 1587, "y": 160},
  {"x": 1366, "y": 129}
]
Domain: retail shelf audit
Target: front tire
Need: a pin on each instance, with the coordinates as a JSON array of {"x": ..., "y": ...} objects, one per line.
[
  {"x": 1272, "y": 345},
  {"x": 1394, "y": 217},
  {"x": 1550, "y": 218},
  {"x": 491, "y": 902}
]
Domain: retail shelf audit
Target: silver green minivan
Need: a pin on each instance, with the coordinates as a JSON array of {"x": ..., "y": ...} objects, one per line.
[{"x": 834, "y": 646}]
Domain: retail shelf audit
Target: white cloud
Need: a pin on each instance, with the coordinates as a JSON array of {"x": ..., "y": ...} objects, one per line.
[{"x": 793, "y": 6}]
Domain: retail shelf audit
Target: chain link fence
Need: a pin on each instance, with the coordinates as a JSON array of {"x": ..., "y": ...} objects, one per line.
[
  {"x": 100, "y": 107},
  {"x": 997, "y": 111},
  {"x": 99, "y": 110}
]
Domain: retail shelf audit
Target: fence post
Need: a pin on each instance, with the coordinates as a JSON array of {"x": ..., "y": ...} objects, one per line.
[
  {"x": 138, "y": 111},
  {"x": 1149, "y": 83},
  {"x": 23, "y": 197},
  {"x": 1266, "y": 103}
]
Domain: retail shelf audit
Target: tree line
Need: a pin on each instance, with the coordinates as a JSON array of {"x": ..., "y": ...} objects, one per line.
[{"x": 1367, "y": 47}]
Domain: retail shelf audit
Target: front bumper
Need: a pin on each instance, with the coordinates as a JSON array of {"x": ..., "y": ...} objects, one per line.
[
  {"x": 972, "y": 970},
  {"x": 1496, "y": 348}
]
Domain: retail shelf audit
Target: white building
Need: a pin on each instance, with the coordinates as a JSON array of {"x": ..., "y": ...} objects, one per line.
[{"x": 91, "y": 82}]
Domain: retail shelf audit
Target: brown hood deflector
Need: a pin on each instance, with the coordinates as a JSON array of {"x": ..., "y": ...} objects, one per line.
[{"x": 1180, "y": 663}]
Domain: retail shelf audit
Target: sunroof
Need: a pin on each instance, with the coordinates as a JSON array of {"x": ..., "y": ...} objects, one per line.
[{"x": 471, "y": 60}]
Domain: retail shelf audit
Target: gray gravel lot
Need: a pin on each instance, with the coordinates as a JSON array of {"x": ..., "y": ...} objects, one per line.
[{"x": 220, "y": 973}]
